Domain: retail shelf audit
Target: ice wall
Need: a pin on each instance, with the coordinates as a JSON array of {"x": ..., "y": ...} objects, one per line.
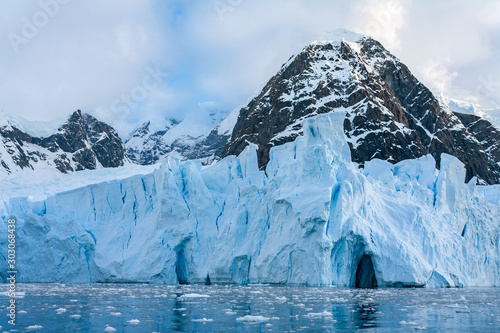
[{"x": 312, "y": 218}]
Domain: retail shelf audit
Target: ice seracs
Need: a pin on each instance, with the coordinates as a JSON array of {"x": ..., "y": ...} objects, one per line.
[{"x": 312, "y": 217}]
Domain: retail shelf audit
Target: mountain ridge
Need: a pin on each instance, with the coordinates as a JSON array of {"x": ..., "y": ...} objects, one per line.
[
  {"x": 390, "y": 114},
  {"x": 81, "y": 143}
]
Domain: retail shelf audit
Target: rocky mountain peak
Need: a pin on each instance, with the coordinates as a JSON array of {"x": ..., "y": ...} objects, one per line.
[
  {"x": 82, "y": 142},
  {"x": 390, "y": 114}
]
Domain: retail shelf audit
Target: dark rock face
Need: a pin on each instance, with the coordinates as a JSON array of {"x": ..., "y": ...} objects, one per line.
[
  {"x": 81, "y": 143},
  {"x": 146, "y": 147},
  {"x": 488, "y": 136},
  {"x": 390, "y": 114},
  {"x": 210, "y": 148}
]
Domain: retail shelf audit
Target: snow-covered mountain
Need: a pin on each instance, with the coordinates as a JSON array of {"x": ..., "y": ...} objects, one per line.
[
  {"x": 82, "y": 142},
  {"x": 390, "y": 114},
  {"x": 468, "y": 104},
  {"x": 185, "y": 140},
  {"x": 312, "y": 218}
]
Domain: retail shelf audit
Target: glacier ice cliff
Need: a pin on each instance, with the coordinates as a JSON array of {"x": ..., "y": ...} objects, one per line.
[{"x": 312, "y": 217}]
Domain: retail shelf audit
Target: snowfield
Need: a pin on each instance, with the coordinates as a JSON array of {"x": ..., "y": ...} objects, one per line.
[{"x": 313, "y": 217}]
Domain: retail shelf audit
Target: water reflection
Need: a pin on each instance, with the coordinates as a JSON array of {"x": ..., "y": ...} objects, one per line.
[
  {"x": 365, "y": 315},
  {"x": 253, "y": 309},
  {"x": 180, "y": 315}
]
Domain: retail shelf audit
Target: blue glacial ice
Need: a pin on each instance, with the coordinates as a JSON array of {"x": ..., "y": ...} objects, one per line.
[{"x": 313, "y": 217}]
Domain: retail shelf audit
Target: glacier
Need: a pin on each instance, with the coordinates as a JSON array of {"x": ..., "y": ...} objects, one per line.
[{"x": 312, "y": 217}]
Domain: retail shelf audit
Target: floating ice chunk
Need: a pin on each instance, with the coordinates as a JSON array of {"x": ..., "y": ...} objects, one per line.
[
  {"x": 110, "y": 329},
  {"x": 203, "y": 320},
  {"x": 34, "y": 327},
  {"x": 17, "y": 294},
  {"x": 110, "y": 308},
  {"x": 22, "y": 312},
  {"x": 193, "y": 296},
  {"x": 252, "y": 319},
  {"x": 75, "y": 316},
  {"x": 324, "y": 314},
  {"x": 61, "y": 310},
  {"x": 230, "y": 313},
  {"x": 116, "y": 314},
  {"x": 134, "y": 321},
  {"x": 180, "y": 309},
  {"x": 281, "y": 299},
  {"x": 338, "y": 300}
]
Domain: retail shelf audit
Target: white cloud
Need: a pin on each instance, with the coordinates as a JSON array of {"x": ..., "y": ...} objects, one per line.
[
  {"x": 91, "y": 53},
  {"x": 436, "y": 74},
  {"x": 87, "y": 55},
  {"x": 383, "y": 20}
]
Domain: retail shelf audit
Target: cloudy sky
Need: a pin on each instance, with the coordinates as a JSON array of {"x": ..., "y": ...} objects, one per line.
[{"x": 128, "y": 60}]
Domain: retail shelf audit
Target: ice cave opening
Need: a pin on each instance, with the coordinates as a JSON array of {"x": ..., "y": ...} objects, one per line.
[
  {"x": 365, "y": 274},
  {"x": 207, "y": 281},
  {"x": 181, "y": 268}
]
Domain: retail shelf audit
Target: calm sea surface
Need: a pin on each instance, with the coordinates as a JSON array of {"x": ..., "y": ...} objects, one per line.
[{"x": 157, "y": 308}]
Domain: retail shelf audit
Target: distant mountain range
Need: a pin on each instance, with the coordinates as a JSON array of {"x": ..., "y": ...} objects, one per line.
[
  {"x": 85, "y": 143},
  {"x": 146, "y": 145}
]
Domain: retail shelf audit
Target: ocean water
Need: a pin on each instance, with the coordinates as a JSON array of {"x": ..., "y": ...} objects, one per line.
[{"x": 194, "y": 308}]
